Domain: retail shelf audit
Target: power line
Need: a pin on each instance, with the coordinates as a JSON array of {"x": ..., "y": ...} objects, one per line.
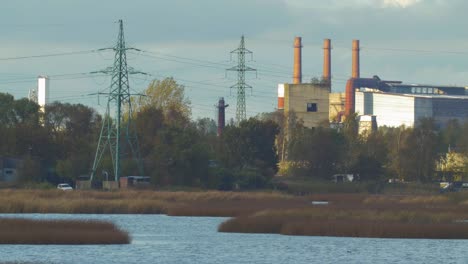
[
  {"x": 49, "y": 55},
  {"x": 414, "y": 50}
]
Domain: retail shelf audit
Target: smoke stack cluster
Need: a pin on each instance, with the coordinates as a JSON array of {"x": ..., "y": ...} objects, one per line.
[
  {"x": 297, "y": 74},
  {"x": 327, "y": 60}
]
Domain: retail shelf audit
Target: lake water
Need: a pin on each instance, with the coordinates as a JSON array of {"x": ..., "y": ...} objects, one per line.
[{"x": 164, "y": 239}]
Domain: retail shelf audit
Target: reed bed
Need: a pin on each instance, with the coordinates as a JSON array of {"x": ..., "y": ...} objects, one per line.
[
  {"x": 73, "y": 232},
  {"x": 354, "y": 222},
  {"x": 358, "y": 215},
  {"x": 267, "y": 212},
  {"x": 210, "y": 203}
]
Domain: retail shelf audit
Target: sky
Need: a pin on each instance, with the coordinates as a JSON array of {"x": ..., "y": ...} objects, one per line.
[{"x": 414, "y": 41}]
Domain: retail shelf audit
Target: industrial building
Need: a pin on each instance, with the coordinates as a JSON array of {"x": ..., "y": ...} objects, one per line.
[
  {"x": 380, "y": 102},
  {"x": 309, "y": 101},
  {"x": 394, "y": 103},
  {"x": 396, "y": 109}
]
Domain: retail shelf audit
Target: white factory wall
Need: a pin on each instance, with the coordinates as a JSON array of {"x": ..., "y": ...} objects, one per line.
[
  {"x": 359, "y": 103},
  {"x": 394, "y": 110},
  {"x": 391, "y": 110}
]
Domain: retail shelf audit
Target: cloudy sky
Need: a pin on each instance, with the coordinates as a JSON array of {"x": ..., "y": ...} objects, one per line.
[{"x": 415, "y": 41}]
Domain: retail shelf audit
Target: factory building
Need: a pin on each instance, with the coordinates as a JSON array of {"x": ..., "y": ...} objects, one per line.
[
  {"x": 309, "y": 101},
  {"x": 396, "y": 109},
  {"x": 379, "y": 102},
  {"x": 394, "y": 103},
  {"x": 336, "y": 107}
]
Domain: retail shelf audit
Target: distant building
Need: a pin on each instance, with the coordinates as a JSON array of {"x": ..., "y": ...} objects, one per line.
[
  {"x": 396, "y": 109},
  {"x": 337, "y": 104},
  {"x": 367, "y": 124},
  {"x": 310, "y": 102},
  {"x": 9, "y": 169}
]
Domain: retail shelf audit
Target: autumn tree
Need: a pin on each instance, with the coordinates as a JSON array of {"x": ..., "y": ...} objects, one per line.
[{"x": 167, "y": 95}]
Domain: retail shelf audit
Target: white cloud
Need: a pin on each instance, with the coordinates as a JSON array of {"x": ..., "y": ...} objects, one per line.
[
  {"x": 400, "y": 3},
  {"x": 350, "y": 3}
]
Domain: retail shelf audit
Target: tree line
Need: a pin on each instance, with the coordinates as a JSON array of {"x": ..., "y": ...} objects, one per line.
[{"x": 59, "y": 144}]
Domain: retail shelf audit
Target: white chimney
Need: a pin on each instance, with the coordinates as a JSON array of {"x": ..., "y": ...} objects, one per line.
[{"x": 42, "y": 91}]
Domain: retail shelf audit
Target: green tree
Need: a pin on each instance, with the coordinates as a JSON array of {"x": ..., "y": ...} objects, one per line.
[
  {"x": 167, "y": 95},
  {"x": 419, "y": 152},
  {"x": 250, "y": 151},
  {"x": 317, "y": 151},
  {"x": 73, "y": 130}
]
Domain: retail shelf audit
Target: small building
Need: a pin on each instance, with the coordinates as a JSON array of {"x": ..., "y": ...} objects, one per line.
[
  {"x": 9, "y": 169},
  {"x": 343, "y": 178},
  {"x": 367, "y": 124},
  {"x": 134, "y": 182}
]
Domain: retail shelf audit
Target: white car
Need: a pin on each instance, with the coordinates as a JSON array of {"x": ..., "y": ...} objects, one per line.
[{"x": 64, "y": 187}]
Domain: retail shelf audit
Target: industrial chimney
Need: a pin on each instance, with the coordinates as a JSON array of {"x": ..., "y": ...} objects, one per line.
[
  {"x": 355, "y": 67},
  {"x": 327, "y": 61},
  {"x": 221, "y": 115},
  {"x": 42, "y": 92},
  {"x": 297, "y": 74}
]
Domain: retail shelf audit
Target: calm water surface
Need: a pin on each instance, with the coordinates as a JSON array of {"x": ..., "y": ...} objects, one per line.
[{"x": 164, "y": 239}]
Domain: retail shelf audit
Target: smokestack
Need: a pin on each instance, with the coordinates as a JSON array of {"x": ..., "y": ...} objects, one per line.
[
  {"x": 327, "y": 60},
  {"x": 297, "y": 74},
  {"x": 42, "y": 92},
  {"x": 355, "y": 69},
  {"x": 221, "y": 115}
]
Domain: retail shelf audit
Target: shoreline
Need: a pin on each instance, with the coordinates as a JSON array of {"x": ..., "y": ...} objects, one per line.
[{"x": 351, "y": 215}]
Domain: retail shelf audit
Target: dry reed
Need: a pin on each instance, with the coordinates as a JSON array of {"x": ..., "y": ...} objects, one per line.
[
  {"x": 362, "y": 216},
  {"x": 210, "y": 203},
  {"x": 28, "y": 231}
]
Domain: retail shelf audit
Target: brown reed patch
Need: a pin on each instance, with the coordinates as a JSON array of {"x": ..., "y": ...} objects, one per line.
[
  {"x": 28, "y": 231},
  {"x": 329, "y": 221},
  {"x": 141, "y": 202},
  {"x": 234, "y": 207}
]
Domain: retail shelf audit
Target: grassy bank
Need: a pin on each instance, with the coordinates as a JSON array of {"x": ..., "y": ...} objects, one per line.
[
  {"x": 423, "y": 216},
  {"x": 210, "y": 203},
  {"x": 380, "y": 216},
  {"x": 27, "y": 231}
]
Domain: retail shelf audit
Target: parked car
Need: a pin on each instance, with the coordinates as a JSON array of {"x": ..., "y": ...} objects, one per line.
[{"x": 64, "y": 187}]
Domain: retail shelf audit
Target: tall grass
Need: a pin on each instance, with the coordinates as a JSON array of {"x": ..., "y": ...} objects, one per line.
[
  {"x": 27, "y": 231},
  {"x": 352, "y": 223},
  {"x": 266, "y": 212},
  {"x": 417, "y": 216},
  {"x": 211, "y": 203}
]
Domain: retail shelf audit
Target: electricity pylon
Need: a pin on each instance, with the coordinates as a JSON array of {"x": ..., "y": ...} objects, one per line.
[
  {"x": 241, "y": 68},
  {"x": 118, "y": 131}
]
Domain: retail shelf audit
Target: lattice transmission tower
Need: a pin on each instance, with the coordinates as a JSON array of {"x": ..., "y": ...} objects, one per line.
[
  {"x": 240, "y": 86},
  {"x": 117, "y": 133}
]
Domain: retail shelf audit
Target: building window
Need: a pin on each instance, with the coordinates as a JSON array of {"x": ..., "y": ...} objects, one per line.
[{"x": 311, "y": 107}]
